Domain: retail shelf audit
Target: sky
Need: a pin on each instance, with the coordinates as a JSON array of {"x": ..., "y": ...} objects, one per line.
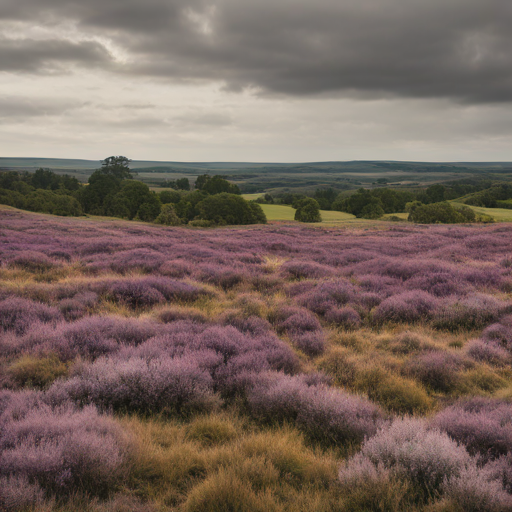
[{"x": 257, "y": 80}]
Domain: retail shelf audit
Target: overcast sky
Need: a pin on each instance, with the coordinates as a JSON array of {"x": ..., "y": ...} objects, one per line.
[{"x": 257, "y": 80}]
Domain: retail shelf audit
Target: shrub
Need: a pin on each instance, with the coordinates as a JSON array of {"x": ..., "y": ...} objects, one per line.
[
  {"x": 483, "y": 425},
  {"x": 427, "y": 458},
  {"x": 146, "y": 260},
  {"x": 312, "y": 343},
  {"x": 473, "y": 312},
  {"x": 345, "y": 317},
  {"x": 175, "y": 314},
  {"x": 328, "y": 415},
  {"x": 306, "y": 270},
  {"x": 409, "y": 343},
  {"x": 135, "y": 294},
  {"x": 33, "y": 261},
  {"x": 406, "y": 307},
  {"x": 62, "y": 449},
  {"x": 17, "y": 493},
  {"x": 327, "y": 295},
  {"x": 19, "y": 314},
  {"x": 437, "y": 370},
  {"x": 487, "y": 352},
  {"x": 172, "y": 385}
]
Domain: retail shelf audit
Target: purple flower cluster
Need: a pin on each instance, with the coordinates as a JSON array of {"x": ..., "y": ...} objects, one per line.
[{"x": 58, "y": 447}]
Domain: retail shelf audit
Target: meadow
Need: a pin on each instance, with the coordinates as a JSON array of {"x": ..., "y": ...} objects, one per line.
[{"x": 278, "y": 367}]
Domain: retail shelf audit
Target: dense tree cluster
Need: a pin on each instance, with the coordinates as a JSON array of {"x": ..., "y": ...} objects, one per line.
[
  {"x": 439, "y": 213},
  {"x": 43, "y": 191}
]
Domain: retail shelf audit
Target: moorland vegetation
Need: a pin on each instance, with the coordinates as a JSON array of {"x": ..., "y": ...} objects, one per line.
[{"x": 264, "y": 368}]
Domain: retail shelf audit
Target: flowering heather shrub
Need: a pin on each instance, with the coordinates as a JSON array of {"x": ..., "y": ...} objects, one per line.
[
  {"x": 328, "y": 294},
  {"x": 500, "y": 333},
  {"x": 408, "y": 449},
  {"x": 176, "y": 268},
  {"x": 61, "y": 448},
  {"x": 19, "y": 314},
  {"x": 33, "y": 261},
  {"x": 17, "y": 493},
  {"x": 312, "y": 343},
  {"x": 326, "y": 414},
  {"x": 306, "y": 270},
  {"x": 76, "y": 308},
  {"x": 224, "y": 276},
  {"x": 146, "y": 260},
  {"x": 135, "y": 294},
  {"x": 384, "y": 286},
  {"x": 501, "y": 469},
  {"x": 294, "y": 289},
  {"x": 300, "y": 322},
  {"x": 440, "y": 284},
  {"x": 251, "y": 325},
  {"x": 487, "y": 352},
  {"x": 167, "y": 384},
  {"x": 100, "y": 246},
  {"x": 483, "y": 425},
  {"x": 437, "y": 370},
  {"x": 407, "y": 307},
  {"x": 473, "y": 312},
  {"x": 479, "y": 490},
  {"x": 345, "y": 317}
]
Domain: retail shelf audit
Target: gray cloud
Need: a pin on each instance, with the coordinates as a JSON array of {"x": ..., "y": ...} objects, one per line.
[
  {"x": 16, "y": 108},
  {"x": 50, "y": 56},
  {"x": 459, "y": 49}
]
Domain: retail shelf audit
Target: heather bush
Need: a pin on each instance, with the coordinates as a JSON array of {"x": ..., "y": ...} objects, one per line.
[
  {"x": 60, "y": 448},
  {"x": 77, "y": 307},
  {"x": 17, "y": 493},
  {"x": 434, "y": 465},
  {"x": 135, "y": 294},
  {"x": 19, "y": 314},
  {"x": 306, "y": 270},
  {"x": 437, "y": 370},
  {"x": 328, "y": 294},
  {"x": 326, "y": 414},
  {"x": 312, "y": 343},
  {"x": 33, "y": 261},
  {"x": 483, "y": 425},
  {"x": 176, "y": 268},
  {"x": 346, "y": 317},
  {"x": 251, "y": 324},
  {"x": 169, "y": 385},
  {"x": 145, "y": 260},
  {"x": 468, "y": 313},
  {"x": 300, "y": 322},
  {"x": 487, "y": 352},
  {"x": 407, "y": 307}
]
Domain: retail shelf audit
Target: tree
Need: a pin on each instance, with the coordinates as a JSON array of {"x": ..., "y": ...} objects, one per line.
[
  {"x": 308, "y": 211},
  {"x": 441, "y": 213},
  {"x": 230, "y": 209},
  {"x": 170, "y": 196},
  {"x": 201, "y": 181},
  {"x": 168, "y": 216},
  {"x": 372, "y": 211},
  {"x": 183, "y": 184},
  {"x": 117, "y": 166},
  {"x": 137, "y": 194},
  {"x": 218, "y": 185}
]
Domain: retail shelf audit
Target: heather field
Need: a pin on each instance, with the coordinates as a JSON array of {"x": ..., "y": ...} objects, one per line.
[{"x": 259, "y": 369}]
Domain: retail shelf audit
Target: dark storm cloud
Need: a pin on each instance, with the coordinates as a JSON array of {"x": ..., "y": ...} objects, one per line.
[
  {"x": 459, "y": 49},
  {"x": 48, "y": 56}
]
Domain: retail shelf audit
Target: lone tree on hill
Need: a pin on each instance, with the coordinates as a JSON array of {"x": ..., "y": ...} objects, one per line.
[{"x": 117, "y": 166}]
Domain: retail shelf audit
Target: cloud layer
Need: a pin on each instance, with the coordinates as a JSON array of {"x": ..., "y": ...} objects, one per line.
[{"x": 457, "y": 49}]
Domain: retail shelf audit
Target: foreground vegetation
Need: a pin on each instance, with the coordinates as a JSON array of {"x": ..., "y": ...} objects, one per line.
[{"x": 263, "y": 368}]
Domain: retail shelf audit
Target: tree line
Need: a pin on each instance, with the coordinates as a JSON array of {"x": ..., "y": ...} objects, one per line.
[{"x": 112, "y": 191}]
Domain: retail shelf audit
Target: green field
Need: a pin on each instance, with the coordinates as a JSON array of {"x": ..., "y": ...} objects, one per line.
[
  {"x": 498, "y": 214},
  {"x": 287, "y": 213}
]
